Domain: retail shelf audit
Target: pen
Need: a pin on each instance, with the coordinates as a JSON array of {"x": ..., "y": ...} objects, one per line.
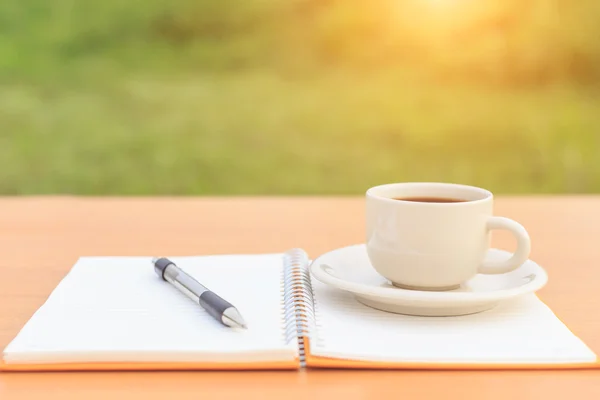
[{"x": 217, "y": 307}]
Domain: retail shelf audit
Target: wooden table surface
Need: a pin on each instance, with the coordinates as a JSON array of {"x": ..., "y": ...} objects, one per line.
[{"x": 41, "y": 238}]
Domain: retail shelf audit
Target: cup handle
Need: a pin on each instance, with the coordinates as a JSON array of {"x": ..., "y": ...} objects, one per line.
[{"x": 520, "y": 255}]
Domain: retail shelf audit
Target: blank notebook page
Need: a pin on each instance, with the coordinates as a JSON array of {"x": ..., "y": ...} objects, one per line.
[
  {"x": 522, "y": 331},
  {"x": 117, "y": 309}
]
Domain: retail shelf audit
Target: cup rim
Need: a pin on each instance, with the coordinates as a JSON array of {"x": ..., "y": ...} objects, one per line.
[{"x": 486, "y": 194}]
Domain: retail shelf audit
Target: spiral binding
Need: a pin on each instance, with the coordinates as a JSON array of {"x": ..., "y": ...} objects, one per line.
[{"x": 298, "y": 301}]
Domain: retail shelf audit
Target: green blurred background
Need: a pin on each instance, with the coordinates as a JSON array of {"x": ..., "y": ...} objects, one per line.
[{"x": 297, "y": 96}]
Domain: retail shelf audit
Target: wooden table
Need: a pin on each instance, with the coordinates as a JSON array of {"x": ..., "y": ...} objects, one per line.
[{"x": 41, "y": 238}]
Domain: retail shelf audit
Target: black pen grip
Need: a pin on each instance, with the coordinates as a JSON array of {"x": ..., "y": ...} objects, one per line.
[{"x": 214, "y": 304}]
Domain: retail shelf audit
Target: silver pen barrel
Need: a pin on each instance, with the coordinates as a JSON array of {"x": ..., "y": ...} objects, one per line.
[{"x": 185, "y": 283}]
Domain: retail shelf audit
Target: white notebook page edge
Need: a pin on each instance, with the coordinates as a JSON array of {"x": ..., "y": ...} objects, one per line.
[
  {"x": 523, "y": 331},
  {"x": 116, "y": 309}
]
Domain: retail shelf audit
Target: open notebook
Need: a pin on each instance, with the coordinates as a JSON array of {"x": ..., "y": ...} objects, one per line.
[{"x": 113, "y": 313}]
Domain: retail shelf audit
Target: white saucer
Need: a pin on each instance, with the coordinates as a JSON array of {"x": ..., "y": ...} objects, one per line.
[{"x": 349, "y": 269}]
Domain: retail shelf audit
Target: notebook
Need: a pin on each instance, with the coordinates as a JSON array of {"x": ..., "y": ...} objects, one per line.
[{"x": 114, "y": 313}]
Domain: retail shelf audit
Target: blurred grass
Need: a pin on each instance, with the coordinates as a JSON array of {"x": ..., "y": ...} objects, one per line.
[{"x": 297, "y": 96}]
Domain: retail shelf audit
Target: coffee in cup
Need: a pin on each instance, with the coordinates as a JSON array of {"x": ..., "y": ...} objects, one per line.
[{"x": 435, "y": 236}]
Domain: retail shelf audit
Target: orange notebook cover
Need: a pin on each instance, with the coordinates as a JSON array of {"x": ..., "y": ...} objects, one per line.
[{"x": 112, "y": 313}]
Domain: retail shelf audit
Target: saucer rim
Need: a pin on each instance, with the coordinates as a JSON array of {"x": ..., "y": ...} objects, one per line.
[{"x": 425, "y": 295}]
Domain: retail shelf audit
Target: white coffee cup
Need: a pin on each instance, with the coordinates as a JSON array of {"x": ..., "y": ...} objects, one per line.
[{"x": 436, "y": 245}]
